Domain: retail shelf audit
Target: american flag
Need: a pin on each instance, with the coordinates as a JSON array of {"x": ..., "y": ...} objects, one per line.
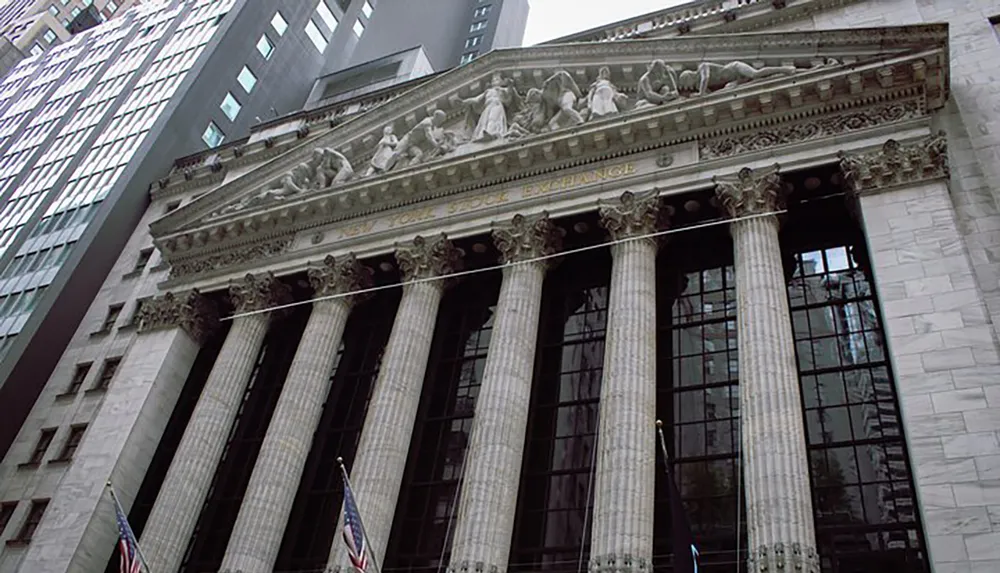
[
  {"x": 354, "y": 533},
  {"x": 127, "y": 544}
]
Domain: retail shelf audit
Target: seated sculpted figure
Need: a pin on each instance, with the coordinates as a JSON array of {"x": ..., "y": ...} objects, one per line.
[
  {"x": 296, "y": 181},
  {"x": 332, "y": 169},
  {"x": 383, "y": 152},
  {"x": 561, "y": 94},
  {"x": 604, "y": 99},
  {"x": 425, "y": 141},
  {"x": 711, "y": 76},
  {"x": 532, "y": 117},
  {"x": 657, "y": 86}
]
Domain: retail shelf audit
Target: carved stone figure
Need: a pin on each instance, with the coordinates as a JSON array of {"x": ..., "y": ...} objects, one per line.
[
  {"x": 330, "y": 168},
  {"x": 532, "y": 117},
  {"x": 561, "y": 94},
  {"x": 603, "y": 98},
  {"x": 425, "y": 141},
  {"x": 380, "y": 161},
  {"x": 657, "y": 86},
  {"x": 711, "y": 76},
  {"x": 493, "y": 106}
]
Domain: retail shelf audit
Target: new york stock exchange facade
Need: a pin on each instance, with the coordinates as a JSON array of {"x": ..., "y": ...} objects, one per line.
[{"x": 483, "y": 292}]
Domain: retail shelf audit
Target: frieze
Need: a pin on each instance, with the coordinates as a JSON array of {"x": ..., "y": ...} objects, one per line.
[
  {"x": 896, "y": 164},
  {"x": 777, "y": 559},
  {"x": 816, "y": 128},
  {"x": 238, "y": 255}
]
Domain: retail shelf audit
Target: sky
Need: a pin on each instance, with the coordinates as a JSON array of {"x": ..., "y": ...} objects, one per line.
[{"x": 550, "y": 19}]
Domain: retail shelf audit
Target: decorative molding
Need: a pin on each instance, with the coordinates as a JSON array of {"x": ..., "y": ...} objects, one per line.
[
  {"x": 474, "y": 567},
  {"x": 190, "y": 311},
  {"x": 425, "y": 258},
  {"x": 767, "y": 138},
  {"x": 896, "y": 164},
  {"x": 612, "y": 563},
  {"x": 526, "y": 238},
  {"x": 751, "y": 192},
  {"x": 631, "y": 215},
  {"x": 252, "y": 253},
  {"x": 340, "y": 277},
  {"x": 777, "y": 559},
  {"x": 253, "y": 292}
]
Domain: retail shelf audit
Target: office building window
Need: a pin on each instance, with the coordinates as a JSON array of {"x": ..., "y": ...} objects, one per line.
[
  {"x": 54, "y": 10},
  {"x": 49, "y": 35},
  {"x": 31, "y": 522},
  {"x": 42, "y": 445},
  {"x": 359, "y": 28},
  {"x": 265, "y": 47},
  {"x": 481, "y": 11},
  {"x": 279, "y": 24},
  {"x": 477, "y": 26},
  {"x": 36, "y": 49},
  {"x": 367, "y": 9},
  {"x": 473, "y": 41},
  {"x": 107, "y": 373},
  {"x": 230, "y": 106},
  {"x": 468, "y": 57},
  {"x": 112, "y": 317},
  {"x": 72, "y": 443},
  {"x": 64, "y": 2},
  {"x": 326, "y": 15},
  {"x": 111, "y": 6},
  {"x": 316, "y": 36},
  {"x": 142, "y": 260},
  {"x": 74, "y": 12},
  {"x": 6, "y": 510},
  {"x": 247, "y": 80},
  {"x": 79, "y": 375},
  {"x": 213, "y": 136}
]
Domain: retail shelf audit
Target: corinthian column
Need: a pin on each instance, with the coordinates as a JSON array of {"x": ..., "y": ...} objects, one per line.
[
  {"x": 780, "y": 527},
  {"x": 185, "y": 487},
  {"x": 622, "y": 537},
  {"x": 385, "y": 439},
  {"x": 253, "y": 546},
  {"x": 493, "y": 463}
]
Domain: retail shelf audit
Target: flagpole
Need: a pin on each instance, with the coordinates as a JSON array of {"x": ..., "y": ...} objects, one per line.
[
  {"x": 361, "y": 522},
  {"x": 138, "y": 550}
]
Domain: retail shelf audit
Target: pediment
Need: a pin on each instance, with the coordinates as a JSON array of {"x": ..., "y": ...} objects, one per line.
[{"x": 509, "y": 113}]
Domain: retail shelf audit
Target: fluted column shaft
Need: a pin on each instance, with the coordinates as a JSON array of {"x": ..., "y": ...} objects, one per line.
[
  {"x": 256, "y": 538},
  {"x": 485, "y": 521},
  {"x": 186, "y": 485},
  {"x": 378, "y": 469},
  {"x": 780, "y": 526},
  {"x": 622, "y": 536}
]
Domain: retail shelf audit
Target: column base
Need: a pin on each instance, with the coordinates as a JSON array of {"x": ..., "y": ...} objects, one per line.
[
  {"x": 624, "y": 563},
  {"x": 474, "y": 567},
  {"x": 779, "y": 557}
]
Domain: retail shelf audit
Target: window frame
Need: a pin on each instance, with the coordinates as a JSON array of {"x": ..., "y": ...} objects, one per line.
[
  {"x": 41, "y": 447},
  {"x": 108, "y": 371},
  {"x": 111, "y": 317},
  {"x": 264, "y": 38},
  {"x": 213, "y": 128},
  {"x": 281, "y": 28},
  {"x": 241, "y": 78},
  {"x": 31, "y": 520},
  {"x": 80, "y": 373},
  {"x": 71, "y": 444}
]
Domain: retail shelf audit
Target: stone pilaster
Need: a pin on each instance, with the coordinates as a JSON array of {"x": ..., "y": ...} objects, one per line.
[
  {"x": 780, "y": 530},
  {"x": 185, "y": 487},
  {"x": 493, "y": 463},
  {"x": 256, "y": 538},
  {"x": 622, "y": 536},
  {"x": 385, "y": 440}
]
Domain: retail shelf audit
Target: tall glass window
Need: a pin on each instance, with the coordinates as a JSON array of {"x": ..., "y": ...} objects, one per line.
[
  {"x": 247, "y": 79},
  {"x": 428, "y": 500}
]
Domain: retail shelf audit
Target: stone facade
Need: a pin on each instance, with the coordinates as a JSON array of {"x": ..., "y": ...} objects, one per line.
[{"x": 899, "y": 114}]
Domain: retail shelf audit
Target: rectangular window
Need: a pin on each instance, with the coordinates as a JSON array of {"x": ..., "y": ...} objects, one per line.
[
  {"x": 477, "y": 26},
  {"x": 64, "y": 2},
  {"x": 473, "y": 41},
  {"x": 230, "y": 106},
  {"x": 6, "y": 510},
  {"x": 468, "y": 57},
  {"x": 111, "y": 6},
  {"x": 107, "y": 373},
  {"x": 142, "y": 260},
  {"x": 246, "y": 79},
  {"x": 49, "y": 35},
  {"x": 54, "y": 10},
  {"x": 359, "y": 28},
  {"x": 316, "y": 36},
  {"x": 72, "y": 443},
  {"x": 279, "y": 24},
  {"x": 112, "y": 317},
  {"x": 481, "y": 11},
  {"x": 367, "y": 9},
  {"x": 79, "y": 375},
  {"x": 31, "y": 522},
  {"x": 213, "y": 136},
  {"x": 36, "y": 49},
  {"x": 326, "y": 15},
  {"x": 265, "y": 47},
  {"x": 42, "y": 445},
  {"x": 74, "y": 12}
]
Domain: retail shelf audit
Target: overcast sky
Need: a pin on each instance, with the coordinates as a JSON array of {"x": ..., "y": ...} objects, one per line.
[{"x": 550, "y": 19}]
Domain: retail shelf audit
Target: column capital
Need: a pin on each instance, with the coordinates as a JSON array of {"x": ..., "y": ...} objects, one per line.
[
  {"x": 631, "y": 215},
  {"x": 894, "y": 164},
  {"x": 750, "y": 192},
  {"x": 777, "y": 558},
  {"x": 528, "y": 237},
  {"x": 341, "y": 276},
  {"x": 254, "y": 292},
  {"x": 423, "y": 258},
  {"x": 188, "y": 310}
]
